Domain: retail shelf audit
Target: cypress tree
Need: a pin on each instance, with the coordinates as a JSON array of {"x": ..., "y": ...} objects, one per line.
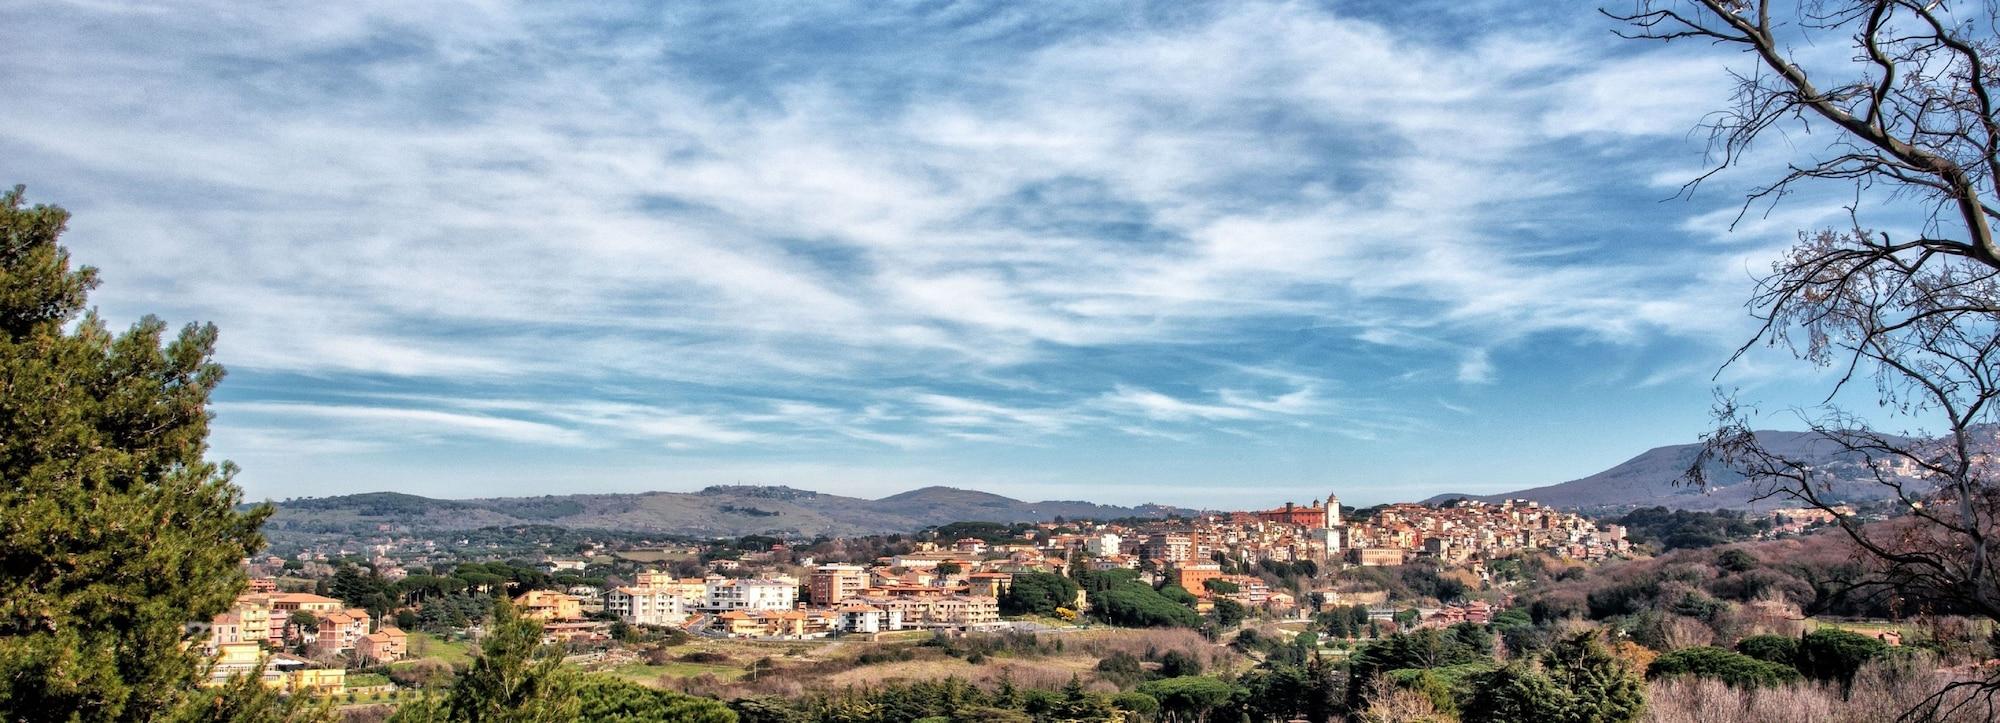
[{"x": 115, "y": 531}]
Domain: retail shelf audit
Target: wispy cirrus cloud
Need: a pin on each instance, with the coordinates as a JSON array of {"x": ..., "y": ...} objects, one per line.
[{"x": 851, "y": 229}]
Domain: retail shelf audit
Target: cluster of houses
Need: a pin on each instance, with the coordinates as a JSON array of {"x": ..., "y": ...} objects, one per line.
[
  {"x": 1470, "y": 530},
  {"x": 263, "y": 625},
  {"x": 1465, "y": 531},
  {"x": 838, "y": 599},
  {"x": 955, "y": 584},
  {"x": 1477, "y": 611},
  {"x": 1795, "y": 520}
]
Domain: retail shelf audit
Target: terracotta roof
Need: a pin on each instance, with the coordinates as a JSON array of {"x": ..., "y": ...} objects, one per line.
[{"x": 301, "y": 597}]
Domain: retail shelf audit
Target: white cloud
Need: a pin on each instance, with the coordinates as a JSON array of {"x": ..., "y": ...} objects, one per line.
[
  {"x": 465, "y": 195},
  {"x": 1476, "y": 367},
  {"x": 405, "y": 422}
]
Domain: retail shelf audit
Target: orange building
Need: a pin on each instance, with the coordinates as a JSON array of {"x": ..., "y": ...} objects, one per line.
[
  {"x": 382, "y": 646},
  {"x": 548, "y": 606},
  {"x": 1192, "y": 575},
  {"x": 1314, "y": 515}
]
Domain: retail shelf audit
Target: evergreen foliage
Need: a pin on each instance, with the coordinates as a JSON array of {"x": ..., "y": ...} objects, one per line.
[
  {"x": 516, "y": 679},
  {"x": 1118, "y": 598},
  {"x": 1780, "y": 649},
  {"x": 1835, "y": 654},
  {"x": 610, "y": 700},
  {"x": 1188, "y": 698},
  {"x": 1575, "y": 681},
  {"x": 246, "y": 699},
  {"x": 115, "y": 532},
  {"x": 1428, "y": 648},
  {"x": 1729, "y": 667},
  {"x": 1037, "y": 593}
]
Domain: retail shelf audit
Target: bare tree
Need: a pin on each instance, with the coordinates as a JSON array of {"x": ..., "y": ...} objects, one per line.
[{"x": 1909, "y": 118}]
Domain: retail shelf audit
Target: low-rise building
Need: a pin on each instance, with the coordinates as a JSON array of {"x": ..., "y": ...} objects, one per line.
[
  {"x": 1375, "y": 556},
  {"x": 338, "y": 631},
  {"x": 1193, "y": 576},
  {"x": 753, "y": 594},
  {"x": 860, "y": 617},
  {"x": 549, "y": 605},
  {"x": 646, "y": 606},
  {"x": 293, "y": 601},
  {"x": 383, "y": 646}
]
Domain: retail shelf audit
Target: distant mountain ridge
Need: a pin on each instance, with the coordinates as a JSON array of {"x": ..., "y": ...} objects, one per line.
[
  {"x": 721, "y": 510},
  {"x": 1650, "y": 479}
]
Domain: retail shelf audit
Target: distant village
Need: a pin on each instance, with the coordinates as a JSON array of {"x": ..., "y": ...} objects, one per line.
[{"x": 305, "y": 641}]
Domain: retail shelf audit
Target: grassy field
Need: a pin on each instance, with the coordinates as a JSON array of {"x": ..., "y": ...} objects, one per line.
[
  {"x": 363, "y": 680},
  {"x": 1865, "y": 627},
  {"x": 644, "y": 674},
  {"x": 653, "y": 556},
  {"x": 425, "y": 645}
]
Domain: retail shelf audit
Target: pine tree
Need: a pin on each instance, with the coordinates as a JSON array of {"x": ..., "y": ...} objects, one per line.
[
  {"x": 516, "y": 679},
  {"x": 1602, "y": 689},
  {"x": 115, "y": 532}
]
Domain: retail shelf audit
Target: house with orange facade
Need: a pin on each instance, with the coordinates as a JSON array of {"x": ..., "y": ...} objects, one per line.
[
  {"x": 382, "y": 646},
  {"x": 548, "y": 606}
]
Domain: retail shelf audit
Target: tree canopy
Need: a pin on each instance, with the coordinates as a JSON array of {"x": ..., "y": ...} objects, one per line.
[{"x": 115, "y": 531}]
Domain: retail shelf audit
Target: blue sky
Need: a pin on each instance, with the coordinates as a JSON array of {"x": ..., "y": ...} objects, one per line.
[{"x": 1205, "y": 254}]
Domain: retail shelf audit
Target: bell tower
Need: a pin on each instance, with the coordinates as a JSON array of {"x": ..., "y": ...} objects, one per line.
[{"x": 1332, "y": 510}]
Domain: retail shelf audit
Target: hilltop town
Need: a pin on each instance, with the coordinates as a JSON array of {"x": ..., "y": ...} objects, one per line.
[{"x": 1275, "y": 564}]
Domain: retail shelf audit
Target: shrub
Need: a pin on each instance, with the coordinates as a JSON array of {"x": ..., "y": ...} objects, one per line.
[
  {"x": 1136, "y": 702},
  {"x": 1781, "y": 649},
  {"x": 1191, "y": 697},
  {"x": 1733, "y": 668},
  {"x": 424, "y": 673},
  {"x": 1516, "y": 694},
  {"x": 1835, "y": 654},
  {"x": 1175, "y": 664},
  {"x": 605, "y": 698},
  {"x": 1121, "y": 668}
]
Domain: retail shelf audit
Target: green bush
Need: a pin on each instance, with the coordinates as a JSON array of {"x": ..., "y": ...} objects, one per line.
[
  {"x": 1578, "y": 680},
  {"x": 1136, "y": 702},
  {"x": 1780, "y": 649},
  {"x": 1729, "y": 667},
  {"x": 1188, "y": 698},
  {"x": 1037, "y": 593},
  {"x": 1835, "y": 654}
]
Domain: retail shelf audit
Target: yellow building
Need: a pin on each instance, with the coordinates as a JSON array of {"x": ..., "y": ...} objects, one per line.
[
  {"x": 231, "y": 659},
  {"x": 289, "y": 601},
  {"x": 547, "y": 605},
  {"x": 284, "y": 672},
  {"x": 253, "y": 616},
  {"x": 319, "y": 681},
  {"x": 737, "y": 623}
]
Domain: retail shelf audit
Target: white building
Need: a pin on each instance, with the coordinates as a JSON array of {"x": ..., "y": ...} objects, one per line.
[
  {"x": 1104, "y": 545},
  {"x": 645, "y": 606},
  {"x": 1330, "y": 539},
  {"x": 753, "y": 594},
  {"x": 858, "y": 617}
]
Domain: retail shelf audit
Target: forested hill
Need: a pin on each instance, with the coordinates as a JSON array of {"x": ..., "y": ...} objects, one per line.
[
  {"x": 716, "y": 511},
  {"x": 1650, "y": 479}
]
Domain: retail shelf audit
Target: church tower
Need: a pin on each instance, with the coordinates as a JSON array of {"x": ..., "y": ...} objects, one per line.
[{"x": 1332, "y": 510}]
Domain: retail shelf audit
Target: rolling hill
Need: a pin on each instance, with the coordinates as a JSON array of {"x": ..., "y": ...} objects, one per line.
[
  {"x": 1650, "y": 479},
  {"x": 726, "y": 510}
]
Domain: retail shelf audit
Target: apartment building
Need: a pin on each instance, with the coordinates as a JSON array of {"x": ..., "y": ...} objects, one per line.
[
  {"x": 831, "y": 584},
  {"x": 1170, "y": 547},
  {"x": 646, "y": 606},
  {"x": 753, "y": 594},
  {"x": 548, "y": 605}
]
